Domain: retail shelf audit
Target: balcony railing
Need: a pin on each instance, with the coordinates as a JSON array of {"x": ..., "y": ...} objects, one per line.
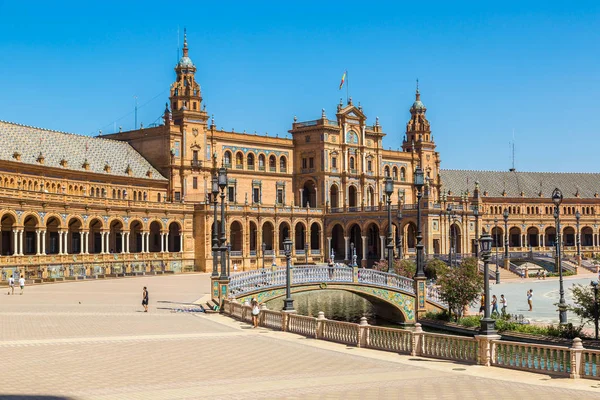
[
  {"x": 273, "y": 169},
  {"x": 196, "y": 163}
]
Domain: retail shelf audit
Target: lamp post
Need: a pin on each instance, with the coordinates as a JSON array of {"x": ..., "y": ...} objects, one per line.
[
  {"x": 215, "y": 240},
  {"x": 306, "y": 243},
  {"x": 476, "y": 244},
  {"x": 389, "y": 189},
  {"x": 288, "y": 303},
  {"x": 557, "y": 198},
  {"x": 497, "y": 270},
  {"x": 595, "y": 287},
  {"x": 352, "y": 255},
  {"x": 222, "y": 185},
  {"x": 263, "y": 247},
  {"x": 419, "y": 182},
  {"x": 228, "y": 259},
  {"x": 399, "y": 237},
  {"x": 488, "y": 325},
  {"x": 449, "y": 212},
  {"x": 578, "y": 238},
  {"x": 505, "y": 215}
]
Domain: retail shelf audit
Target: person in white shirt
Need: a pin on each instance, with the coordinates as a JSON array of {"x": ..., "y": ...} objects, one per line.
[
  {"x": 11, "y": 285},
  {"x": 22, "y": 283}
]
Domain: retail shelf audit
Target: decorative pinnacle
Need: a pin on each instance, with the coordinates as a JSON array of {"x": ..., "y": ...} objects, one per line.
[
  {"x": 185, "y": 46},
  {"x": 323, "y": 113}
]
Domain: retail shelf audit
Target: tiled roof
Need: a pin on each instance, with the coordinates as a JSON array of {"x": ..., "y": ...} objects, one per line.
[
  {"x": 515, "y": 182},
  {"x": 75, "y": 149}
]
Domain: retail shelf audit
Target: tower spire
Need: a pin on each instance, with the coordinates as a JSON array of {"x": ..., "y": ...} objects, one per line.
[
  {"x": 417, "y": 94},
  {"x": 185, "y": 48}
]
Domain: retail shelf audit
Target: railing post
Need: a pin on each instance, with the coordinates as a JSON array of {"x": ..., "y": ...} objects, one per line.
[
  {"x": 320, "y": 323},
  {"x": 576, "y": 358},
  {"x": 417, "y": 340},
  {"x": 363, "y": 333},
  {"x": 285, "y": 318},
  {"x": 261, "y": 315},
  {"x": 485, "y": 349}
]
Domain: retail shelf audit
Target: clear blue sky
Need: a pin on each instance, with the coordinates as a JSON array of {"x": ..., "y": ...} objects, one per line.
[{"x": 483, "y": 71}]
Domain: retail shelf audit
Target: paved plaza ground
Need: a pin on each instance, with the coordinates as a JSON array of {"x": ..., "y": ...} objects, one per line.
[{"x": 90, "y": 340}]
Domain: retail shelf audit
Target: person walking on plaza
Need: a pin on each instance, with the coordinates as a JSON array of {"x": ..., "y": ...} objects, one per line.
[
  {"x": 482, "y": 304},
  {"x": 145, "y": 299},
  {"x": 494, "y": 304},
  {"x": 11, "y": 285},
  {"x": 255, "y": 312},
  {"x": 529, "y": 299},
  {"x": 504, "y": 303},
  {"x": 22, "y": 283},
  {"x": 544, "y": 275}
]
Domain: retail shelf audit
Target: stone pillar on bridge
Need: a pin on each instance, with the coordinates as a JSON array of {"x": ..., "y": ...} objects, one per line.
[{"x": 346, "y": 247}]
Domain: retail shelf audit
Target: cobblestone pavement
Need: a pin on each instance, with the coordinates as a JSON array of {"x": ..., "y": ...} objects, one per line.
[{"x": 90, "y": 340}]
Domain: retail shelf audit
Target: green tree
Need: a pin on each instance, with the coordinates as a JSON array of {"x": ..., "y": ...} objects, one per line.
[
  {"x": 461, "y": 285},
  {"x": 583, "y": 297},
  {"x": 406, "y": 268},
  {"x": 434, "y": 268}
]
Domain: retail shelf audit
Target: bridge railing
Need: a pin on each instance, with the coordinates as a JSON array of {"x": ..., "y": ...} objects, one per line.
[
  {"x": 573, "y": 362},
  {"x": 373, "y": 277}
]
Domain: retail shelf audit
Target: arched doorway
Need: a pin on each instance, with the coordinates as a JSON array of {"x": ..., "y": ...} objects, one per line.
[
  {"x": 356, "y": 238},
  {"x": 334, "y": 196},
  {"x": 154, "y": 240},
  {"x": 315, "y": 236},
  {"x": 352, "y": 196},
  {"x": 533, "y": 235},
  {"x": 115, "y": 244},
  {"x": 74, "y": 245},
  {"x": 337, "y": 242},
  {"x": 135, "y": 237},
  {"x": 30, "y": 225},
  {"x": 373, "y": 243},
  {"x": 235, "y": 236},
  {"x": 300, "y": 237},
  {"x": 497, "y": 237},
  {"x": 253, "y": 238},
  {"x": 550, "y": 236},
  {"x": 587, "y": 237},
  {"x": 284, "y": 233},
  {"x": 52, "y": 233},
  {"x": 268, "y": 235},
  {"x": 174, "y": 244},
  {"x": 410, "y": 233},
  {"x": 456, "y": 239},
  {"x": 569, "y": 236},
  {"x": 514, "y": 237},
  {"x": 8, "y": 225},
  {"x": 371, "y": 197},
  {"x": 309, "y": 194},
  {"x": 95, "y": 236}
]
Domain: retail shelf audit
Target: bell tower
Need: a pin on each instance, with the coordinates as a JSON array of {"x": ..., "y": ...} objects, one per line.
[
  {"x": 418, "y": 132},
  {"x": 186, "y": 99}
]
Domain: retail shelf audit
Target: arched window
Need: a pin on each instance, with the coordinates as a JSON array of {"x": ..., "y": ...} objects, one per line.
[
  {"x": 352, "y": 166},
  {"x": 272, "y": 163},
  {"x": 239, "y": 160},
  {"x": 282, "y": 164},
  {"x": 387, "y": 171},
  {"x": 395, "y": 173},
  {"x": 402, "y": 174},
  {"x": 261, "y": 162},
  {"x": 114, "y": 194},
  {"x": 227, "y": 159},
  {"x": 250, "y": 161}
]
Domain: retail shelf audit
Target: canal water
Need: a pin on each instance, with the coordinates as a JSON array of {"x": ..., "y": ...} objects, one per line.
[{"x": 337, "y": 305}]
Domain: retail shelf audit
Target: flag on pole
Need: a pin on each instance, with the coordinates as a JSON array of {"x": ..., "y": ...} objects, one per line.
[{"x": 343, "y": 80}]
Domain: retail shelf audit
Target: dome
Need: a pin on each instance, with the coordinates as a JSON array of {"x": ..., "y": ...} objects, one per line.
[
  {"x": 185, "y": 62},
  {"x": 418, "y": 105}
]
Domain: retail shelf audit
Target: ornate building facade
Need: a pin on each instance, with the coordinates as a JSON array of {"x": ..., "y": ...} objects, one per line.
[{"x": 142, "y": 198}]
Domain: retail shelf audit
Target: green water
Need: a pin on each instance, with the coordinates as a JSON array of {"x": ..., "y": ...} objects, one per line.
[{"x": 336, "y": 304}]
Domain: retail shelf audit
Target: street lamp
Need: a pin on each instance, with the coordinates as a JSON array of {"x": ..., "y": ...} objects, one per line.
[
  {"x": 577, "y": 217},
  {"x": 215, "y": 240},
  {"x": 497, "y": 270},
  {"x": 557, "y": 198},
  {"x": 505, "y": 215},
  {"x": 399, "y": 237},
  {"x": 595, "y": 286},
  {"x": 476, "y": 244},
  {"x": 389, "y": 189},
  {"x": 307, "y": 241},
  {"x": 222, "y": 185},
  {"x": 449, "y": 212},
  {"x": 488, "y": 325},
  {"x": 352, "y": 255},
  {"x": 288, "y": 303},
  {"x": 228, "y": 259},
  {"x": 263, "y": 247},
  {"x": 419, "y": 182}
]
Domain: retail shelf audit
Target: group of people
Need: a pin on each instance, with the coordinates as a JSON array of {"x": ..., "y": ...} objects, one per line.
[
  {"x": 503, "y": 303},
  {"x": 11, "y": 284}
]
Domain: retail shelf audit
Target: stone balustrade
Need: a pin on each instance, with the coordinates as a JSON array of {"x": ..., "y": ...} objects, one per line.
[{"x": 573, "y": 362}]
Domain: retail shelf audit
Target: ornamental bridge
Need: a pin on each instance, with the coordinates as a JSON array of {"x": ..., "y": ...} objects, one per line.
[{"x": 392, "y": 295}]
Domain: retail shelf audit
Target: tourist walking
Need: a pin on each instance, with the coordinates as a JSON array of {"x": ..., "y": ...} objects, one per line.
[
  {"x": 494, "y": 304},
  {"x": 22, "y": 283},
  {"x": 482, "y": 304},
  {"x": 529, "y": 299},
  {"x": 504, "y": 303},
  {"x": 11, "y": 285},
  {"x": 255, "y": 312},
  {"x": 145, "y": 299}
]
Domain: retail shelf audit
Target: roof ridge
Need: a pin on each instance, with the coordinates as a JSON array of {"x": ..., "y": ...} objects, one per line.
[{"x": 518, "y": 172}]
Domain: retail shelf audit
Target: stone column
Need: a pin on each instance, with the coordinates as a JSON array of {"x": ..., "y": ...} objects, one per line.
[
  {"x": 364, "y": 247},
  {"x": 346, "y": 247},
  {"x": 122, "y": 242},
  {"x": 60, "y": 243},
  {"x": 108, "y": 242},
  {"x": 147, "y": 242},
  {"x": 167, "y": 242},
  {"x": 162, "y": 242},
  {"x": 382, "y": 241},
  {"x": 15, "y": 242},
  {"x": 127, "y": 243},
  {"x": 21, "y": 242},
  {"x": 43, "y": 242},
  {"x": 66, "y": 242},
  {"x": 37, "y": 242},
  {"x": 102, "y": 242},
  {"x": 86, "y": 242},
  {"x": 81, "y": 242},
  {"x": 181, "y": 236},
  {"x": 328, "y": 247}
]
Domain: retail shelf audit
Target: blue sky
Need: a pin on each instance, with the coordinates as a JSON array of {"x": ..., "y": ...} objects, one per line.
[{"x": 484, "y": 71}]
